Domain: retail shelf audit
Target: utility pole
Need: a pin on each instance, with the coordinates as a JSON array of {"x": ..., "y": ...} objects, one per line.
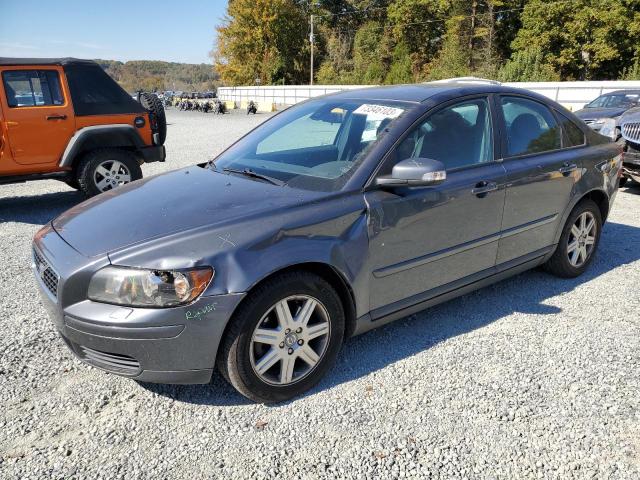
[{"x": 311, "y": 40}]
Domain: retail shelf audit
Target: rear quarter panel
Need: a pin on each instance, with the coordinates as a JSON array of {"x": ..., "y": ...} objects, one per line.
[
  {"x": 128, "y": 119},
  {"x": 593, "y": 179}
]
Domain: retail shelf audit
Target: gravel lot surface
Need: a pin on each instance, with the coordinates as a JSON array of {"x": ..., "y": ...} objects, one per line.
[{"x": 534, "y": 377}]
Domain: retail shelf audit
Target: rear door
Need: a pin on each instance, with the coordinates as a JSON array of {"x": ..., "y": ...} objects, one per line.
[
  {"x": 38, "y": 114},
  {"x": 541, "y": 176}
]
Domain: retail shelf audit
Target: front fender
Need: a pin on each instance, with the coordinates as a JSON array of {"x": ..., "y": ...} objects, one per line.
[{"x": 332, "y": 232}]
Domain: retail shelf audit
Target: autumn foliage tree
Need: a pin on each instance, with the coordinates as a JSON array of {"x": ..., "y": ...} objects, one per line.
[
  {"x": 400, "y": 41},
  {"x": 264, "y": 40}
]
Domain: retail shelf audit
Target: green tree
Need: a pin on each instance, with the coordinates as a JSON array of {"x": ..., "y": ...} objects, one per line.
[
  {"x": 528, "y": 66},
  {"x": 582, "y": 39}
]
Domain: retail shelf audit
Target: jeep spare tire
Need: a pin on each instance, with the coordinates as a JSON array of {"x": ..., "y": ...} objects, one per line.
[{"x": 153, "y": 104}]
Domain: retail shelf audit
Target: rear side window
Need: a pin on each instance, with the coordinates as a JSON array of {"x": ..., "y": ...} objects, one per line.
[
  {"x": 573, "y": 136},
  {"x": 531, "y": 127},
  {"x": 32, "y": 88}
]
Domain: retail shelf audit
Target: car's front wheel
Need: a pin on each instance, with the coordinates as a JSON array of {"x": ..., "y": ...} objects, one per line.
[
  {"x": 578, "y": 242},
  {"x": 283, "y": 338}
]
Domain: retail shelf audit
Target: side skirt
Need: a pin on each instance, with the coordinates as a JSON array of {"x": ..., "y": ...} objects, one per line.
[{"x": 387, "y": 314}]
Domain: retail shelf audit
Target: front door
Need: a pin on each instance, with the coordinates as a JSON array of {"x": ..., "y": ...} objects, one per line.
[
  {"x": 425, "y": 238},
  {"x": 540, "y": 177},
  {"x": 38, "y": 115}
]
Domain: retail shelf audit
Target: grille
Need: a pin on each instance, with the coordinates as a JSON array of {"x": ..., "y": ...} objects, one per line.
[
  {"x": 631, "y": 132},
  {"x": 44, "y": 271},
  {"x": 113, "y": 362}
]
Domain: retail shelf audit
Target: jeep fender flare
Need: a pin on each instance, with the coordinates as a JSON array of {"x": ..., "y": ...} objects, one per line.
[{"x": 100, "y": 136}]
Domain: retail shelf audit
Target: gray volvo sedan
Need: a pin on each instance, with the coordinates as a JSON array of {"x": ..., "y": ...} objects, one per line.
[{"x": 333, "y": 217}]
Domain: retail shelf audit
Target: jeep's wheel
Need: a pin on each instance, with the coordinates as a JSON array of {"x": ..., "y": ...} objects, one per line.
[
  {"x": 152, "y": 103},
  {"x": 578, "y": 242},
  {"x": 623, "y": 181},
  {"x": 73, "y": 183},
  {"x": 284, "y": 338},
  {"x": 106, "y": 169}
]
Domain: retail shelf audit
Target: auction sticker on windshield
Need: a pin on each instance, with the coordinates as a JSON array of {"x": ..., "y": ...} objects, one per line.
[{"x": 378, "y": 110}]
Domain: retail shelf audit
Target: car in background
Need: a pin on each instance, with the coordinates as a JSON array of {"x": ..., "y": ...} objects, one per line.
[
  {"x": 336, "y": 216},
  {"x": 68, "y": 120},
  {"x": 608, "y": 106},
  {"x": 629, "y": 139}
]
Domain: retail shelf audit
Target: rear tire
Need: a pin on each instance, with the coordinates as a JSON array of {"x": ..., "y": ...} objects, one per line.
[
  {"x": 105, "y": 169},
  {"x": 623, "y": 181},
  {"x": 262, "y": 340},
  {"x": 578, "y": 242},
  {"x": 152, "y": 103}
]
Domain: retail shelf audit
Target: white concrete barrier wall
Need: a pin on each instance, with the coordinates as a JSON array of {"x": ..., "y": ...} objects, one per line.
[{"x": 573, "y": 95}]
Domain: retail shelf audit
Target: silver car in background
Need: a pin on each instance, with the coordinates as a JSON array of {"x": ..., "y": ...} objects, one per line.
[{"x": 630, "y": 140}]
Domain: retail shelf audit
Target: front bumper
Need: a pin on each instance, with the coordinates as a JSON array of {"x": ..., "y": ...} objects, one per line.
[
  {"x": 166, "y": 345},
  {"x": 155, "y": 153}
]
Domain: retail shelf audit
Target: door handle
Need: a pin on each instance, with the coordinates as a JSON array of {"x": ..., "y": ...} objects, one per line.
[
  {"x": 56, "y": 117},
  {"x": 483, "y": 188},
  {"x": 567, "y": 168}
]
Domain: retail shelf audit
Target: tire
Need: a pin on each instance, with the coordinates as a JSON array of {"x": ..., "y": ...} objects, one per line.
[
  {"x": 73, "y": 183},
  {"x": 568, "y": 262},
  {"x": 117, "y": 163},
  {"x": 623, "y": 181},
  {"x": 246, "y": 353},
  {"x": 152, "y": 103}
]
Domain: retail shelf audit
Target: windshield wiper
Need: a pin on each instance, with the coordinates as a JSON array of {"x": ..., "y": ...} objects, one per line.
[{"x": 247, "y": 172}]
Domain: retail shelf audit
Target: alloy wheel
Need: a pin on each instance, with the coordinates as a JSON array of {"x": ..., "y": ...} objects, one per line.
[
  {"x": 582, "y": 239},
  {"x": 290, "y": 340},
  {"x": 111, "y": 174}
]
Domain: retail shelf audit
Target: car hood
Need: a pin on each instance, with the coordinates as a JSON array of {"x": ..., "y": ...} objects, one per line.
[
  {"x": 595, "y": 113},
  {"x": 632, "y": 115},
  {"x": 169, "y": 203}
]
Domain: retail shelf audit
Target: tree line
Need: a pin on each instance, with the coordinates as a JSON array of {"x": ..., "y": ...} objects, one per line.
[
  {"x": 161, "y": 76},
  {"x": 405, "y": 41}
]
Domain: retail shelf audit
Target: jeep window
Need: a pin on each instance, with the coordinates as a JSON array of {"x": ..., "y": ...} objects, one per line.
[
  {"x": 531, "y": 127},
  {"x": 32, "y": 88},
  {"x": 316, "y": 145},
  {"x": 94, "y": 92}
]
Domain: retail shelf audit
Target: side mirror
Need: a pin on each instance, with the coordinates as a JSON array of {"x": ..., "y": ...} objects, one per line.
[{"x": 415, "y": 172}]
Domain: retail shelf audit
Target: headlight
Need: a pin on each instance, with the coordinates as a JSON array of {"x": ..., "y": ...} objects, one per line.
[
  {"x": 148, "y": 288},
  {"x": 608, "y": 128}
]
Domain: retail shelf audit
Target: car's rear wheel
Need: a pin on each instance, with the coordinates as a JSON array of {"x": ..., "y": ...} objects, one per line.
[
  {"x": 284, "y": 338},
  {"x": 578, "y": 242},
  {"x": 105, "y": 169}
]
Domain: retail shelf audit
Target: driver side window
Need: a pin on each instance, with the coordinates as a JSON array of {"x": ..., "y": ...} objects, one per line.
[{"x": 459, "y": 136}]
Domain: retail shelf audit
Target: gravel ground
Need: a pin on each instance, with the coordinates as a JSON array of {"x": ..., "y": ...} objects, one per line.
[{"x": 534, "y": 377}]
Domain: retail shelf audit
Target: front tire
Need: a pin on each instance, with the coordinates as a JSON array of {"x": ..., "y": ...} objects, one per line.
[
  {"x": 105, "y": 169},
  {"x": 578, "y": 242},
  {"x": 284, "y": 337}
]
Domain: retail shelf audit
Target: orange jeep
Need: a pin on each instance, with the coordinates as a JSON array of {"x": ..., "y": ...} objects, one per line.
[{"x": 66, "y": 119}]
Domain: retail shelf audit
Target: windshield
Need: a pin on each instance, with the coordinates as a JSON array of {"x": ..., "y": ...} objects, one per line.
[
  {"x": 316, "y": 145},
  {"x": 613, "y": 101}
]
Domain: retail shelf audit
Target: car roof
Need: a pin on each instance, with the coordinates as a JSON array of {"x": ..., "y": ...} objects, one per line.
[
  {"x": 7, "y": 61},
  {"x": 632, "y": 91},
  {"x": 420, "y": 92}
]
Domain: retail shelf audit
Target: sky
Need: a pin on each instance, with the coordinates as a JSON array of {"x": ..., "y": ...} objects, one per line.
[{"x": 181, "y": 31}]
